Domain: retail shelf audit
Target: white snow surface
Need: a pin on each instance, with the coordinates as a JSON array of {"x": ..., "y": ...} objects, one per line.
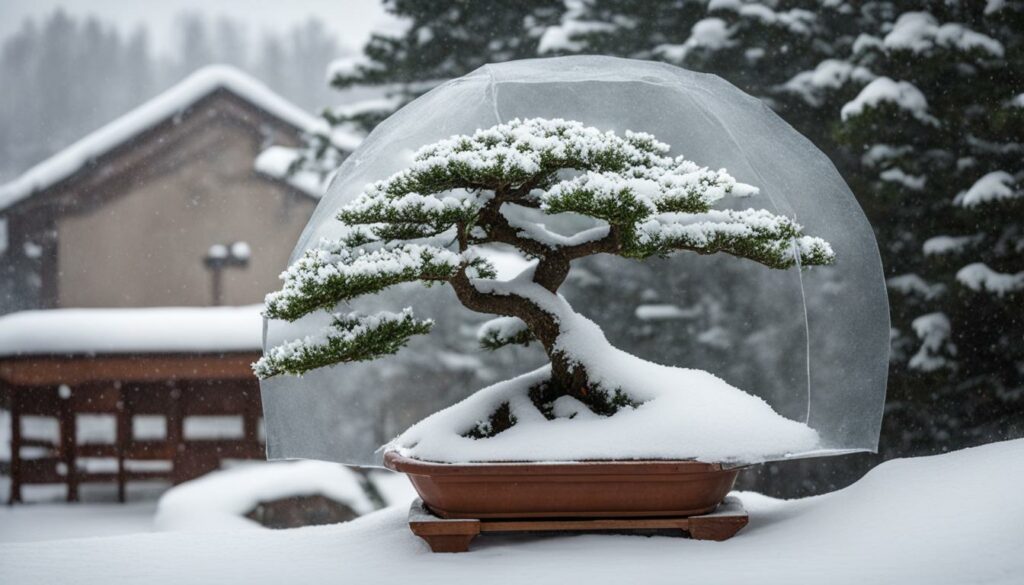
[
  {"x": 161, "y": 329},
  {"x": 559, "y": 38},
  {"x": 36, "y": 522},
  {"x": 914, "y": 284},
  {"x": 893, "y": 527},
  {"x": 995, "y": 186},
  {"x": 685, "y": 413},
  {"x": 882, "y": 153},
  {"x": 830, "y": 74},
  {"x": 899, "y": 176},
  {"x": 940, "y": 245},
  {"x": 979, "y": 277},
  {"x": 218, "y": 501},
  {"x": 920, "y": 32},
  {"x": 900, "y": 93},
  {"x": 933, "y": 330},
  {"x": 167, "y": 105},
  {"x": 710, "y": 34},
  {"x": 501, "y": 328},
  {"x": 663, "y": 311}
]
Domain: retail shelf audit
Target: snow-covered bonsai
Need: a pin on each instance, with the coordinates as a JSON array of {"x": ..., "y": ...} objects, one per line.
[{"x": 501, "y": 186}]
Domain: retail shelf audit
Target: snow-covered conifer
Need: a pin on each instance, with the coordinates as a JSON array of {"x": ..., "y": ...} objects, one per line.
[{"x": 428, "y": 223}]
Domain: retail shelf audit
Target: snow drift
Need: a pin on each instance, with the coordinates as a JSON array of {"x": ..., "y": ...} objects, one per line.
[{"x": 944, "y": 520}]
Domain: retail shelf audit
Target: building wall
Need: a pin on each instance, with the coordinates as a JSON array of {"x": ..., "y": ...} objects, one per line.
[{"x": 144, "y": 246}]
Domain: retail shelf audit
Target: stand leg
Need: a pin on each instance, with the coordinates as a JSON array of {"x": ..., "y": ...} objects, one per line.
[
  {"x": 722, "y": 524},
  {"x": 448, "y": 543},
  {"x": 442, "y": 535}
]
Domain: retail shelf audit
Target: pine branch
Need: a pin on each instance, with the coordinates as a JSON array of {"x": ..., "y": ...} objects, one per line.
[
  {"x": 332, "y": 273},
  {"x": 677, "y": 186},
  {"x": 759, "y": 235},
  {"x": 487, "y": 188},
  {"x": 522, "y": 152},
  {"x": 423, "y": 214},
  {"x": 349, "y": 338}
]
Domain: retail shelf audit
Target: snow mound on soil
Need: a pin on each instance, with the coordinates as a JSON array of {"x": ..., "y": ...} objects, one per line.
[
  {"x": 220, "y": 500},
  {"x": 685, "y": 413}
]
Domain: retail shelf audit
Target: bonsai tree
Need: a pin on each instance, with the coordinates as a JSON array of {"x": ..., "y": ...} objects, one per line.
[{"x": 503, "y": 186}]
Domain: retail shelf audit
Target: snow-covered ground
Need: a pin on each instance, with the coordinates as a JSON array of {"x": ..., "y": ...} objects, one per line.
[
  {"x": 59, "y": 521},
  {"x": 950, "y": 519},
  {"x": 219, "y": 501}
]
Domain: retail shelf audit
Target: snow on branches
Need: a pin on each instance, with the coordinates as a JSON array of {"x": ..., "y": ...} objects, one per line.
[
  {"x": 498, "y": 185},
  {"x": 498, "y": 333},
  {"x": 348, "y": 338},
  {"x": 331, "y": 273},
  {"x": 772, "y": 240}
]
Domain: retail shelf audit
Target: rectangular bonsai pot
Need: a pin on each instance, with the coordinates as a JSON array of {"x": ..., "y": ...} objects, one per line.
[{"x": 606, "y": 489}]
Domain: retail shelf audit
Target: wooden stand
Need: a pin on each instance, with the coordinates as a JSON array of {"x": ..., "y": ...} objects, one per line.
[{"x": 454, "y": 535}]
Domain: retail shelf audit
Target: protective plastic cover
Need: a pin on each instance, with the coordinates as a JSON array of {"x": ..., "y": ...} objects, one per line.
[{"x": 814, "y": 344}]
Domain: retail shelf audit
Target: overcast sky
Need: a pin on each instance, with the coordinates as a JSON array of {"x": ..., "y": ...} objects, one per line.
[{"x": 352, "y": 20}]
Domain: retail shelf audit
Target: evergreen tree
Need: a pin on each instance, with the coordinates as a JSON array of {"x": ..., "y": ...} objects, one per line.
[
  {"x": 442, "y": 40},
  {"x": 956, "y": 375},
  {"x": 939, "y": 132},
  {"x": 428, "y": 222},
  {"x": 754, "y": 45}
]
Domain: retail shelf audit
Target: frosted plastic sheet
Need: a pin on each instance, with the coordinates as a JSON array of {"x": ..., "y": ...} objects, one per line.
[{"x": 814, "y": 344}]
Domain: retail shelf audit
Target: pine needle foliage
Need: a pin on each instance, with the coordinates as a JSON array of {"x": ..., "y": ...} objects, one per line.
[{"x": 427, "y": 224}]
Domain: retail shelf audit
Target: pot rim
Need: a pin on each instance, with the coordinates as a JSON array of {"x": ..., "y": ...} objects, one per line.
[{"x": 395, "y": 461}]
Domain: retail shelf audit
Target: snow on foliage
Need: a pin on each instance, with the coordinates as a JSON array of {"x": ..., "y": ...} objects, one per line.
[
  {"x": 995, "y": 186},
  {"x": 830, "y": 74},
  {"x": 346, "y": 67},
  {"x": 333, "y": 272},
  {"x": 795, "y": 20},
  {"x": 521, "y": 184},
  {"x": 979, "y": 277},
  {"x": 902, "y": 94},
  {"x": 353, "y": 337},
  {"x": 898, "y": 176},
  {"x": 709, "y": 34},
  {"x": 761, "y": 231},
  {"x": 880, "y": 154},
  {"x": 940, "y": 245},
  {"x": 912, "y": 284},
  {"x": 933, "y": 330},
  {"x": 559, "y": 38},
  {"x": 920, "y": 32},
  {"x": 504, "y": 331}
]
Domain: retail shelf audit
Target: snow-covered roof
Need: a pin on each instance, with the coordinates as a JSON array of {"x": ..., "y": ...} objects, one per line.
[
  {"x": 162, "y": 107},
  {"x": 121, "y": 331}
]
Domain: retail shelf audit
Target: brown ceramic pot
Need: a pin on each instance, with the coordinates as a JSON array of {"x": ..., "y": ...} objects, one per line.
[{"x": 606, "y": 489}]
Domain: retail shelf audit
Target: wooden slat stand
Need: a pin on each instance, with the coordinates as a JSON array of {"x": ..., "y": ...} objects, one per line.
[{"x": 454, "y": 535}]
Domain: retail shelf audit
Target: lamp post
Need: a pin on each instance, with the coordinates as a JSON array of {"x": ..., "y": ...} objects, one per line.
[{"x": 221, "y": 256}]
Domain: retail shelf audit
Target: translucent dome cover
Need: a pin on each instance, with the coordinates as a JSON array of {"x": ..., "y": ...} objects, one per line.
[{"x": 812, "y": 343}]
